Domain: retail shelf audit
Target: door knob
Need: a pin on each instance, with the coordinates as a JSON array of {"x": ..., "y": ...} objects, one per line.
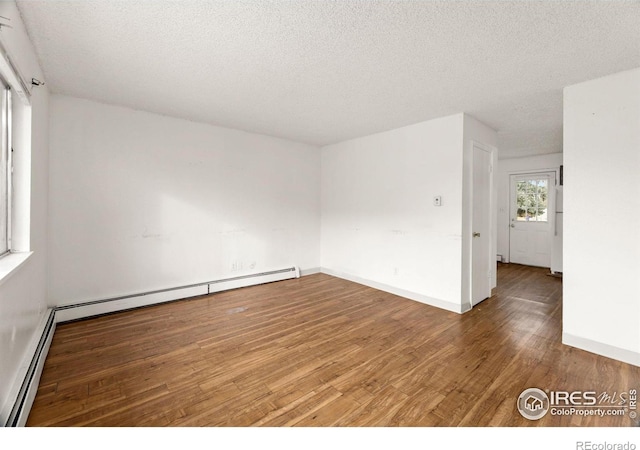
[
  {"x": 513, "y": 226},
  {"x": 476, "y": 234}
]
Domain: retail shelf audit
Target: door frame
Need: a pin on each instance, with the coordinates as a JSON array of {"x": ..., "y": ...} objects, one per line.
[
  {"x": 467, "y": 229},
  {"x": 551, "y": 214}
]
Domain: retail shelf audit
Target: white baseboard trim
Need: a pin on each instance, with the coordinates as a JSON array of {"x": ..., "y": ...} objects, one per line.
[
  {"x": 617, "y": 353},
  {"x": 442, "y": 304},
  {"x": 21, "y": 406},
  {"x": 310, "y": 271},
  {"x": 65, "y": 313}
]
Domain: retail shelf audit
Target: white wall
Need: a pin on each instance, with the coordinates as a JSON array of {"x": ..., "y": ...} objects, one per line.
[
  {"x": 140, "y": 201},
  {"x": 379, "y": 224},
  {"x": 601, "y": 299},
  {"x": 22, "y": 295},
  {"x": 509, "y": 166}
]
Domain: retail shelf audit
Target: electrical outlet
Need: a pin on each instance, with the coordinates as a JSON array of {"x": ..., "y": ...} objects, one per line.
[{"x": 437, "y": 200}]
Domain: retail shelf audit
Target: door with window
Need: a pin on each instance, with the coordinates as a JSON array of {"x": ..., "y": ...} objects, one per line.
[{"x": 531, "y": 219}]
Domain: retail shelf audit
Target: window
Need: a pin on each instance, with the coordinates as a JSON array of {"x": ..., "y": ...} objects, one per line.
[
  {"x": 532, "y": 199},
  {"x": 5, "y": 169},
  {"x": 15, "y": 166}
]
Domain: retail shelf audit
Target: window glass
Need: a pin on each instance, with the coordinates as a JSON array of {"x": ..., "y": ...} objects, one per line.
[{"x": 531, "y": 199}]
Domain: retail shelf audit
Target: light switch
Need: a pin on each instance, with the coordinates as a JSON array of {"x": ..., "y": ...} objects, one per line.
[{"x": 437, "y": 200}]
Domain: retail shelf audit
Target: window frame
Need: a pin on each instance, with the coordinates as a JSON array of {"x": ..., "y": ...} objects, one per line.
[
  {"x": 19, "y": 127},
  {"x": 6, "y": 175}
]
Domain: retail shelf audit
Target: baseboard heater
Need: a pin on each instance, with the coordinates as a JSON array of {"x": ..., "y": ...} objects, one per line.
[
  {"x": 24, "y": 399},
  {"x": 27, "y": 393},
  {"x": 66, "y": 313}
]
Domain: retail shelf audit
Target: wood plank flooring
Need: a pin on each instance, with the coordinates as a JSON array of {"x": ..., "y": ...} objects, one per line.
[{"x": 321, "y": 351}]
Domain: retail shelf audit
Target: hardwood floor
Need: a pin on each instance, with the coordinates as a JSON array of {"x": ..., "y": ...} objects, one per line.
[{"x": 321, "y": 351}]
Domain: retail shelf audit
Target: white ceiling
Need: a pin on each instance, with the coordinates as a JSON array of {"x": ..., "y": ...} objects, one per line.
[{"x": 325, "y": 71}]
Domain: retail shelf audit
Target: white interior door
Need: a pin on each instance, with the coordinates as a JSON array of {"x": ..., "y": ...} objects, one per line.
[
  {"x": 532, "y": 218},
  {"x": 481, "y": 226}
]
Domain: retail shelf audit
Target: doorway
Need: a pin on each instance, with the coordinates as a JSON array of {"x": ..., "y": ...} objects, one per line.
[{"x": 532, "y": 218}]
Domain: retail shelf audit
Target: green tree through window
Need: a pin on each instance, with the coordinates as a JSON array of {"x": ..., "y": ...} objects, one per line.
[{"x": 532, "y": 200}]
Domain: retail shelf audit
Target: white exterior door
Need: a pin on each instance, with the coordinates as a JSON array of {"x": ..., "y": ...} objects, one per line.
[
  {"x": 532, "y": 216},
  {"x": 481, "y": 226}
]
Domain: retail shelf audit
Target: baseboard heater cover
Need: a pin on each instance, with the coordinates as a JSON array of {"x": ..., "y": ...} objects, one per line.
[
  {"x": 83, "y": 310},
  {"x": 27, "y": 393},
  {"x": 22, "y": 406}
]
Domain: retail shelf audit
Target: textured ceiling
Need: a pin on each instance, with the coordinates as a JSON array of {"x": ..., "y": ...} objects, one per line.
[{"x": 325, "y": 71}]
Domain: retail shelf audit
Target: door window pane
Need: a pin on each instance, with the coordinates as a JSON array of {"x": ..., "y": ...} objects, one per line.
[{"x": 532, "y": 195}]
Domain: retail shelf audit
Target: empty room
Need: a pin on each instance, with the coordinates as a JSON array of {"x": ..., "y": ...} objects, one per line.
[{"x": 320, "y": 214}]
